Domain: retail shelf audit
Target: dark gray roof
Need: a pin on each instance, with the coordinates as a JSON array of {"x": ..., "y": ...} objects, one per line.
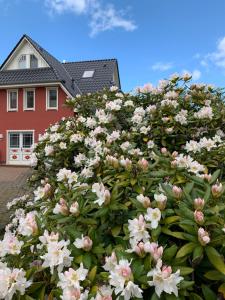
[
  {"x": 69, "y": 74},
  {"x": 40, "y": 75},
  {"x": 102, "y": 77}
]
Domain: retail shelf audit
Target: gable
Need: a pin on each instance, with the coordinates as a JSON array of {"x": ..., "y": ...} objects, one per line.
[{"x": 24, "y": 48}]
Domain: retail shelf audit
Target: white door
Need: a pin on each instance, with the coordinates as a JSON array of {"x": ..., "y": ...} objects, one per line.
[{"x": 19, "y": 147}]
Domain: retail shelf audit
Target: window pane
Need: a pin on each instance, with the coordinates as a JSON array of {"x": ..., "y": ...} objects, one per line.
[
  {"x": 52, "y": 98},
  {"x": 22, "y": 62},
  {"x": 13, "y": 100},
  {"x": 14, "y": 140},
  {"x": 33, "y": 61},
  {"x": 30, "y": 99},
  {"x": 27, "y": 140}
]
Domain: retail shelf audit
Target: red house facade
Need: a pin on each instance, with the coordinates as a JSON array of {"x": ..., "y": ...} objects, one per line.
[{"x": 33, "y": 88}]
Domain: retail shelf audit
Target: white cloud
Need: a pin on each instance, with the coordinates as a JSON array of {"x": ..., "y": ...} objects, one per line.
[
  {"x": 196, "y": 74},
  {"x": 102, "y": 18},
  {"x": 218, "y": 57},
  {"x": 159, "y": 66}
]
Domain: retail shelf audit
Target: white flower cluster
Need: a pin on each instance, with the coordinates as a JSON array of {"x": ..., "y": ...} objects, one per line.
[
  {"x": 205, "y": 112},
  {"x": 204, "y": 143},
  {"x": 12, "y": 281},
  {"x": 187, "y": 162}
]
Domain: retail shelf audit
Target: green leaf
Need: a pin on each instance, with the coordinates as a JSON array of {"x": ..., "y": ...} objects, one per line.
[
  {"x": 186, "y": 249},
  {"x": 87, "y": 260},
  {"x": 186, "y": 284},
  {"x": 169, "y": 253},
  {"x": 197, "y": 253},
  {"x": 155, "y": 297},
  {"x": 92, "y": 273},
  {"x": 116, "y": 230},
  {"x": 208, "y": 293},
  {"x": 215, "y": 259},
  {"x": 195, "y": 297},
  {"x": 184, "y": 270},
  {"x": 178, "y": 235},
  {"x": 221, "y": 289},
  {"x": 214, "y": 275},
  {"x": 172, "y": 219},
  {"x": 214, "y": 177}
]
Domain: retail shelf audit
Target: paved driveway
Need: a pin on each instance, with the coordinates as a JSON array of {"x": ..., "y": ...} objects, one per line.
[{"x": 12, "y": 184}]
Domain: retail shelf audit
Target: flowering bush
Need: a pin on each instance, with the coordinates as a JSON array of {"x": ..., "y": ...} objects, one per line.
[{"x": 128, "y": 200}]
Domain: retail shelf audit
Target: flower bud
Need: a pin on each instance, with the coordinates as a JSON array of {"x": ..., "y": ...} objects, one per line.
[
  {"x": 126, "y": 163},
  {"x": 63, "y": 207},
  {"x": 139, "y": 249},
  {"x": 177, "y": 192},
  {"x": 47, "y": 188},
  {"x": 144, "y": 200},
  {"x": 207, "y": 177},
  {"x": 107, "y": 197},
  {"x": 155, "y": 251},
  {"x": 203, "y": 236},
  {"x": 199, "y": 217},
  {"x": 199, "y": 203},
  {"x": 143, "y": 163},
  {"x": 87, "y": 244},
  {"x": 161, "y": 201},
  {"x": 166, "y": 271},
  {"x": 163, "y": 150},
  {"x": 174, "y": 154},
  {"x": 74, "y": 209},
  {"x": 217, "y": 190}
]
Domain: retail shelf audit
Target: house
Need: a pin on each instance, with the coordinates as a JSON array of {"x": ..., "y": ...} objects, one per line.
[{"x": 33, "y": 88}]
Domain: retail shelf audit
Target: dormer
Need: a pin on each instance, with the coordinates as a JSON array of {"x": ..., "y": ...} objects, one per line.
[{"x": 24, "y": 56}]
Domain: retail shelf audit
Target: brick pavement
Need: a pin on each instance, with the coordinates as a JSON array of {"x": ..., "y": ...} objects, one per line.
[{"x": 12, "y": 185}]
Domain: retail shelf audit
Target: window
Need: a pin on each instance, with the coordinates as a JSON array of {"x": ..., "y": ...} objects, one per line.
[
  {"x": 27, "y": 140},
  {"x": 88, "y": 74},
  {"x": 12, "y": 100},
  {"x": 22, "y": 62},
  {"x": 33, "y": 61},
  {"x": 29, "y": 100},
  {"x": 52, "y": 98}
]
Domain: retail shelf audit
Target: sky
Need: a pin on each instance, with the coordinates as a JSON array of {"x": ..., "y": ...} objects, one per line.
[{"x": 151, "y": 39}]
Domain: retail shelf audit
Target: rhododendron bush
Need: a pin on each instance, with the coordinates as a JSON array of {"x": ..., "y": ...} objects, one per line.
[{"x": 128, "y": 200}]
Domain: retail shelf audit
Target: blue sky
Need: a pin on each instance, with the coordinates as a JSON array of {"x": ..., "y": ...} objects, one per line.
[{"x": 150, "y": 38}]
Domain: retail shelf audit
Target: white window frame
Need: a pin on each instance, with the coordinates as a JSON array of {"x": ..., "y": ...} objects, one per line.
[
  {"x": 30, "y": 60},
  {"x": 47, "y": 98},
  {"x": 8, "y": 100},
  {"x": 25, "y": 99},
  {"x": 25, "y": 55}
]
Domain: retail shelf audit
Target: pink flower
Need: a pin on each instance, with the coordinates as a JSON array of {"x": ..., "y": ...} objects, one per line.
[
  {"x": 163, "y": 150},
  {"x": 155, "y": 251},
  {"x": 203, "y": 236},
  {"x": 143, "y": 163},
  {"x": 177, "y": 192},
  {"x": 199, "y": 217},
  {"x": 217, "y": 190},
  {"x": 199, "y": 203}
]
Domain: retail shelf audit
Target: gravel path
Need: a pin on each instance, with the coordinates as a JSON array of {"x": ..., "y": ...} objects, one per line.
[{"x": 12, "y": 185}]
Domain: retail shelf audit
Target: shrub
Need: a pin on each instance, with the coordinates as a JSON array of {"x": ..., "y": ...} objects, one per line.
[{"x": 128, "y": 200}]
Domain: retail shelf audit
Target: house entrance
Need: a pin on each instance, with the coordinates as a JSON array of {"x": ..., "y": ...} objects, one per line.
[{"x": 19, "y": 147}]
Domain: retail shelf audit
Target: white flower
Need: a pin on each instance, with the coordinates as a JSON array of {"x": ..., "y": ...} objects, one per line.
[
  {"x": 153, "y": 215},
  {"x": 84, "y": 243},
  {"x": 62, "y": 146},
  {"x": 113, "y": 88},
  {"x": 66, "y": 175},
  {"x": 137, "y": 228},
  {"x": 27, "y": 224},
  {"x": 128, "y": 103},
  {"x": 102, "y": 193},
  {"x": 10, "y": 244},
  {"x": 33, "y": 160},
  {"x": 55, "y": 137},
  {"x": 72, "y": 278},
  {"x": 75, "y": 138},
  {"x": 150, "y": 144},
  {"x": 57, "y": 255},
  {"x": 104, "y": 293},
  {"x": 145, "y": 129},
  {"x": 11, "y": 281},
  {"x": 125, "y": 146},
  {"x": 121, "y": 274},
  {"x": 90, "y": 122},
  {"x": 87, "y": 173},
  {"x": 49, "y": 150},
  {"x": 131, "y": 290},
  {"x": 204, "y": 113},
  {"x": 110, "y": 262},
  {"x": 114, "y": 105},
  {"x": 164, "y": 280},
  {"x": 192, "y": 146},
  {"x": 74, "y": 294},
  {"x": 115, "y": 135},
  {"x": 181, "y": 117},
  {"x": 79, "y": 159}
]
